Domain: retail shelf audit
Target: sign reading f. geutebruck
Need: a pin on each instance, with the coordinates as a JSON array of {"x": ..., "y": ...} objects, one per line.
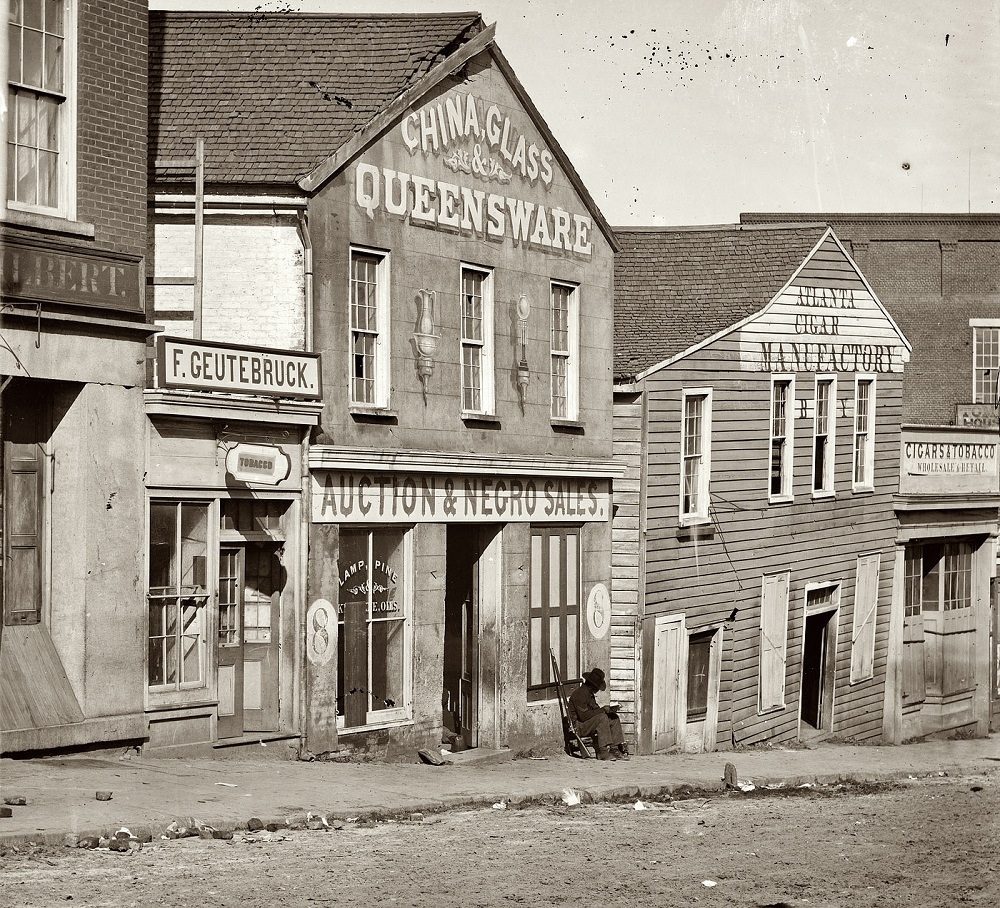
[{"x": 200, "y": 365}]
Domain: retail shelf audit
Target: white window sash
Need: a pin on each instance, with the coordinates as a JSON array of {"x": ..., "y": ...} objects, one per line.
[
  {"x": 700, "y": 511},
  {"x": 382, "y": 346},
  {"x": 485, "y": 345},
  {"x": 786, "y": 492},
  {"x": 864, "y": 436}
]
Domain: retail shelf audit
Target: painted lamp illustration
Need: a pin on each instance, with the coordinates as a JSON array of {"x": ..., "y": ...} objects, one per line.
[
  {"x": 523, "y": 373},
  {"x": 425, "y": 341}
]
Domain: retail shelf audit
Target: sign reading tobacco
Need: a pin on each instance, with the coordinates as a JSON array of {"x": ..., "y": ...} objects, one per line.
[
  {"x": 208, "y": 366},
  {"x": 362, "y": 497}
]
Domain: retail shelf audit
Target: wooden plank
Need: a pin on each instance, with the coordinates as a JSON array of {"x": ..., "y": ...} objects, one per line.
[{"x": 35, "y": 691}]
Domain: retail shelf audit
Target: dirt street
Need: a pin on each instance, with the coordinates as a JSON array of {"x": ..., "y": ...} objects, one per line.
[{"x": 927, "y": 843}]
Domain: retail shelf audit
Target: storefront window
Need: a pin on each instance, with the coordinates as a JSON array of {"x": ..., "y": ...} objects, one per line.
[
  {"x": 178, "y": 593},
  {"x": 372, "y": 662}
]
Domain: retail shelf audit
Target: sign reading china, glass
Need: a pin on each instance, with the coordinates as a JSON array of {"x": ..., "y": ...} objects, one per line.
[
  {"x": 200, "y": 365},
  {"x": 362, "y": 497}
]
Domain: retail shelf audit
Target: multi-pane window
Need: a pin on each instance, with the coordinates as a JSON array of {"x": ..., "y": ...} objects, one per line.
[
  {"x": 554, "y": 612},
  {"x": 823, "y": 435},
  {"x": 781, "y": 438},
  {"x": 699, "y": 669},
  {"x": 773, "y": 641},
  {"x": 986, "y": 364},
  {"x": 369, "y": 329},
  {"x": 564, "y": 333},
  {"x": 36, "y": 101},
  {"x": 178, "y": 593},
  {"x": 864, "y": 433},
  {"x": 372, "y": 646},
  {"x": 695, "y": 455},
  {"x": 477, "y": 340}
]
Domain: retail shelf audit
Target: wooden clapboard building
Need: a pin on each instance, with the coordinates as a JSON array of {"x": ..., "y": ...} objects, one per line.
[
  {"x": 757, "y": 406},
  {"x": 392, "y": 173}
]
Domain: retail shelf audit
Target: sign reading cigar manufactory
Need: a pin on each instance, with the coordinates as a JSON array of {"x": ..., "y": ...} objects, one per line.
[
  {"x": 75, "y": 277},
  {"x": 358, "y": 496},
  {"x": 484, "y": 147},
  {"x": 208, "y": 366}
]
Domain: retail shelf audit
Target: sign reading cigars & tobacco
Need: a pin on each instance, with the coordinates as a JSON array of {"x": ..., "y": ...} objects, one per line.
[
  {"x": 357, "y": 496},
  {"x": 199, "y": 365}
]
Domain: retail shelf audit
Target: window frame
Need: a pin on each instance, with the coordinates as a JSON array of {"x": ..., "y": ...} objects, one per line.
[
  {"x": 985, "y": 391},
  {"x": 826, "y": 488},
  {"x": 865, "y": 483},
  {"x": 700, "y": 512},
  {"x": 485, "y": 344},
  {"x": 66, "y": 123},
  {"x": 766, "y": 684},
  {"x": 787, "y": 458},
  {"x": 403, "y": 713},
  {"x": 539, "y": 590},
  {"x": 381, "y": 348},
  {"x": 207, "y": 607},
  {"x": 568, "y": 356}
]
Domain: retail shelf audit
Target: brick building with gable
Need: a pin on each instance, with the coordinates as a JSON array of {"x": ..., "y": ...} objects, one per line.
[{"x": 380, "y": 192}]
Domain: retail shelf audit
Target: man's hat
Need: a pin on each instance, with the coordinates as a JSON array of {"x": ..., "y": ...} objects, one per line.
[{"x": 595, "y": 678}]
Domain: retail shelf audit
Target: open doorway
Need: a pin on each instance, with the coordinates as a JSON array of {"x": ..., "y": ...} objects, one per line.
[
  {"x": 819, "y": 654},
  {"x": 467, "y": 588}
]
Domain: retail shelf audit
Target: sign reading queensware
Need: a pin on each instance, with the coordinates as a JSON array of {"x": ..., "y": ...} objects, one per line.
[
  {"x": 357, "y": 496},
  {"x": 208, "y": 366}
]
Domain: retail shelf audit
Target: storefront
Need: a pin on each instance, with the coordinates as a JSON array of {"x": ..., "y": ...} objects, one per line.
[
  {"x": 227, "y": 427},
  {"x": 941, "y": 669}
]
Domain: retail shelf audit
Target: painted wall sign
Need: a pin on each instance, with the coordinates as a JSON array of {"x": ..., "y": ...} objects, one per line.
[
  {"x": 822, "y": 329},
  {"x": 265, "y": 464},
  {"x": 208, "y": 366},
  {"x": 359, "y": 497},
  {"x": 948, "y": 462},
  {"x": 599, "y": 611},
  {"x": 976, "y": 415},
  {"x": 461, "y": 209},
  {"x": 35, "y": 273},
  {"x": 320, "y": 620}
]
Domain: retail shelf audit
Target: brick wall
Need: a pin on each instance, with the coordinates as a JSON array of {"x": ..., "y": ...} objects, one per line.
[{"x": 111, "y": 121}]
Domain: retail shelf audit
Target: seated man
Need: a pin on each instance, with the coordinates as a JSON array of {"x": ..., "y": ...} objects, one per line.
[{"x": 590, "y": 718}]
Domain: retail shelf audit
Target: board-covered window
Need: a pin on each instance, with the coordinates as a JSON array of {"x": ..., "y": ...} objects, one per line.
[
  {"x": 178, "y": 594},
  {"x": 696, "y": 453},
  {"x": 477, "y": 340},
  {"x": 782, "y": 413},
  {"x": 554, "y": 611},
  {"x": 864, "y": 433},
  {"x": 773, "y": 641},
  {"x": 373, "y": 649},
  {"x": 824, "y": 434},
  {"x": 369, "y": 354},
  {"x": 565, "y": 316},
  {"x": 865, "y": 615},
  {"x": 40, "y": 126}
]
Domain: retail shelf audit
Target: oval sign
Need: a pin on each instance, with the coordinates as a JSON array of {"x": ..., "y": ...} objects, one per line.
[
  {"x": 320, "y": 624},
  {"x": 258, "y": 463},
  {"x": 599, "y": 610}
]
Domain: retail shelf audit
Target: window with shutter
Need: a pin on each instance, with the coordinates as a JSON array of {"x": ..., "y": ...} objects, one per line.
[
  {"x": 865, "y": 612},
  {"x": 25, "y": 432},
  {"x": 773, "y": 641}
]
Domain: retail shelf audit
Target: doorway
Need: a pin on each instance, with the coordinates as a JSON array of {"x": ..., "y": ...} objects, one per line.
[
  {"x": 251, "y": 579},
  {"x": 819, "y": 651},
  {"x": 469, "y": 588}
]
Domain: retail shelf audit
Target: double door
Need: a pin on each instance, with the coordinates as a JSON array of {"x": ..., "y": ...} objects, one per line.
[{"x": 250, "y": 582}]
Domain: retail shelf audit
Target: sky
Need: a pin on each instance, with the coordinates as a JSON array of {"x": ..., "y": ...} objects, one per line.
[{"x": 684, "y": 112}]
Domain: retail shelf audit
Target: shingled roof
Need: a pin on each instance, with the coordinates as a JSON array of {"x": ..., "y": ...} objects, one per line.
[
  {"x": 275, "y": 94},
  {"x": 675, "y": 287}
]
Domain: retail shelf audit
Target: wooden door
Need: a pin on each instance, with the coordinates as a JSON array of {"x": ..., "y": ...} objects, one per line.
[
  {"x": 669, "y": 675},
  {"x": 230, "y": 624},
  {"x": 261, "y": 596}
]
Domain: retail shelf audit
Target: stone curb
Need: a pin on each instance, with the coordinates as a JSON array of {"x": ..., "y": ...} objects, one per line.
[{"x": 617, "y": 792}]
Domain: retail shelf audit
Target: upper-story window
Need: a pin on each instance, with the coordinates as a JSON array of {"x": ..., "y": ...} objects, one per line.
[
  {"x": 369, "y": 328},
  {"x": 477, "y": 340},
  {"x": 824, "y": 434},
  {"x": 864, "y": 433},
  {"x": 40, "y": 125},
  {"x": 696, "y": 454},
  {"x": 782, "y": 413},
  {"x": 565, "y": 309},
  {"x": 986, "y": 362}
]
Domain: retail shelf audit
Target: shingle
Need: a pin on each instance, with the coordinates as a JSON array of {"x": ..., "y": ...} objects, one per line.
[
  {"x": 274, "y": 95},
  {"x": 675, "y": 287}
]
